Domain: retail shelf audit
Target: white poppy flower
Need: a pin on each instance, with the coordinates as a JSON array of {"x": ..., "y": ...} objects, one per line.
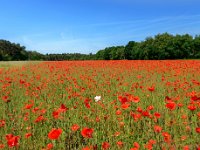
[{"x": 97, "y": 98}]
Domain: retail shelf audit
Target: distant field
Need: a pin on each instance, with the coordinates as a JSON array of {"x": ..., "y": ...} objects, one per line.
[{"x": 7, "y": 64}]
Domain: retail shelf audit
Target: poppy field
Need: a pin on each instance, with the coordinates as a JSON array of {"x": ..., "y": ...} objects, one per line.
[{"x": 101, "y": 105}]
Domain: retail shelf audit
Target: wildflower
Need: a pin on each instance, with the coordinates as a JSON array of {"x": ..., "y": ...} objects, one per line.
[
  {"x": 157, "y": 128},
  {"x": 87, "y": 148},
  {"x": 75, "y": 127},
  {"x": 28, "y": 106},
  {"x": 167, "y": 137},
  {"x": 134, "y": 99},
  {"x": 192, "y": 107},
  {"x": 198, "y": 129},
  {"x": 118, "y": 112},
  {"x": 2, "y": 146},
  {"x": 171, "y": 105},
  {"x": 87, "y": 132},
  {"x": 49, "y": 146},
  {"x": 87, "y": 103},
  {"x": 39, "y": 119},
  {"x": 12, "y": 140},
  {"x": 122, "y": 100},
  {"x": 62, "y": 108},
  {"x": 150, "y": 107},
  {"x": 54, "y": 133},
  {"x": 56, "y": 114},
  {"x": 5, "y": 99},
  {"x": 117, "y": 133},
  {"x": 97, "y": 119},
  {"x": 120, "y": 144},
  {"x": 146, "y": 113},
  {"x": 186, "y": 147},
  {"x": 97, "y": 98},
  {"x": 27, "y": 135},
  {"x": 139, "y": 109},
  {"x": 136, "y": 145},
  {"x": 125, "y": 106},
  {"x": 2, "y": 123},
  {"x": 151, "y": 89},
  {"x": 157, "y": 114},
  {"x": 105, "y": 145}
]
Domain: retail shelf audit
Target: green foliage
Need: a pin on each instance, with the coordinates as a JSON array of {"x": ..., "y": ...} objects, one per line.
[
  {"x": 68, "y": 56},
  {"x": 111, "y": 53},
  {"x": 33, "y": 55},
  {"x": 160, "y": 47},
  {"x": 12, "y": 51},
  {"x": 195, "y": 53}
]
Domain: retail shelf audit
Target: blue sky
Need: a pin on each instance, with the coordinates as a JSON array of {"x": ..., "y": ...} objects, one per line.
[{"x": 84, "y": 26}]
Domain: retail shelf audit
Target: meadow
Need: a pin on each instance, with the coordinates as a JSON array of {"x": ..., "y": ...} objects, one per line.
[{"x": 100, "y": 105}]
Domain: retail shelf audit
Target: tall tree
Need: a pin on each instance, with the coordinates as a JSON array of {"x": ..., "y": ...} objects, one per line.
[{"x": 128, "y": 50}]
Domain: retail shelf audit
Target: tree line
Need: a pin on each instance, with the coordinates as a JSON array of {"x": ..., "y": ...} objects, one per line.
[{"x": 160, "y": 47}]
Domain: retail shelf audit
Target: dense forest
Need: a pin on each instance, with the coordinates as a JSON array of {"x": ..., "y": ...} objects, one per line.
[{"x": 160, "y": 47}]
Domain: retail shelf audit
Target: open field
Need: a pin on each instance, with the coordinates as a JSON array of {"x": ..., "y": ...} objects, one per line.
[
  {"x": 92, "y": 105},
  {"x": 8, "y": 64}
]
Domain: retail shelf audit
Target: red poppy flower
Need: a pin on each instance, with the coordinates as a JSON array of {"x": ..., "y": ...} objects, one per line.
[
  {"x": 135, "y": 116},
  {"x": 167, "y": 137},
  {"x": 157, "y": 114},
  {"x": 49, "y": 146},
  {"x": 2, "y": 123},
  {"x": 123, "y": 100},
  {"x": 150, "y": 107},
  {"x": 62, "y": 108},
  {"x": 54, "y": 133},
  {"x": 198, "y": 130},
  {"x": 87, "y": 103},
  {"x": 39, "y": 119},
  {"x": 195, "y": 98},
  {"x": 118, "y": 112},
  {"x": 171, "y": 105},
  {"x": 136, "y": 99},
  {"x": 136, "y": 145},
  {"x": 2, "y": 146},
  {"x": 151, "y": 89},
  {"x": 139, "y": 109},
  {"x": 186, "y": 147},
  {"x": 125, "y": 106},
  {"x": 5, "y": 99},
  {"x": 56, "y": 114},
  {"x": 97, "y": 119},
  {"x": 146, "y": 113},
  {"x": 157, "y": 128},
  {"x": 75, "y": 127},
  {"x": 105, "y": 145},
  {"x": 87, "y": 148},
  {"x": 117, "y": 134},
  {"x": 120, "y": 144},
  {"x": 27, "y": 135},
  {"x": 87, "y": 132},
  {"x": 29, "y": 106},
  {"x": 12, "y": 140},
  {"x": 192, "y": 107},
  {"x": 151, "y": 141}
]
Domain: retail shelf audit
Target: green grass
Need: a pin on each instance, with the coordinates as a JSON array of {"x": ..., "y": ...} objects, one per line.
[{"x": 8, "y": 64}]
